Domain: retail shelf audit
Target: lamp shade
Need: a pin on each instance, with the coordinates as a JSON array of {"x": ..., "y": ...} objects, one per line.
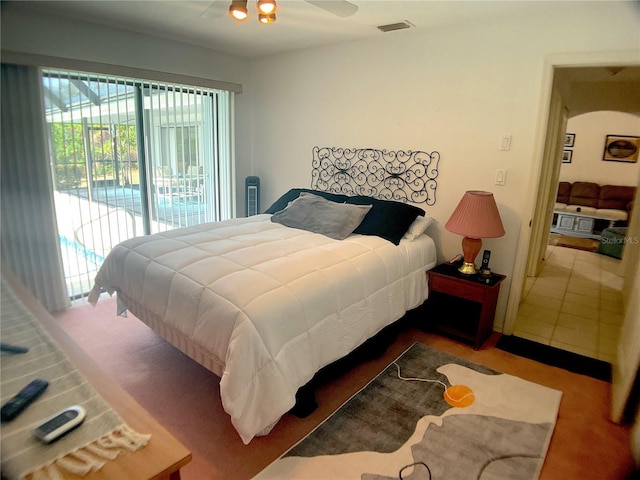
[
  {"x": 266, "y": 7},
  {"x": 238, "y": 9},
  {"x": 263, "y": 18},
  {"x": 476, "y": 216}
]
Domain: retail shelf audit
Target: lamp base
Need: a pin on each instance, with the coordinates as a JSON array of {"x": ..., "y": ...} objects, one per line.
[
  {"x": 470, "y": 249},
  {"x": 468, "y": 268}
]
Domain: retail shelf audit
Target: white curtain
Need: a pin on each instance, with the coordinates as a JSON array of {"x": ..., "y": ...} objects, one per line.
[{"x": 28, "y": 232}]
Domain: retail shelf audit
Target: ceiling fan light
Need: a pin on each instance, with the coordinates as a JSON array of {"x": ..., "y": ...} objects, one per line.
[
  {"x": 239, "y": 14},
  {"x": 262, "y": 18},
  {"x": 238, "y": 10},
  {"x": 266, "y": 6}
]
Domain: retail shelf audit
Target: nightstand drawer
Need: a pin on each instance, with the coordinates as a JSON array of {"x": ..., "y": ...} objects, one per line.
[{"x": 459, "y": 288}]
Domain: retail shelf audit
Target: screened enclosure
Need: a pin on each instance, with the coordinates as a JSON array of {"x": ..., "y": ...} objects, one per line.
[{"x": 131, "y": 158}]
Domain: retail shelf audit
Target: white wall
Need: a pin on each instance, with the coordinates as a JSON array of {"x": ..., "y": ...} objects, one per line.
[
  {"x": 456, "y": 90},
  {"x": 586, "y": 164}
]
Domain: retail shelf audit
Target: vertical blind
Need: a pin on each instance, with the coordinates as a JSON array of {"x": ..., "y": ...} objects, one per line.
[
  {"x": 131, "y": 157},
  {"x": 110, "y": 159}
]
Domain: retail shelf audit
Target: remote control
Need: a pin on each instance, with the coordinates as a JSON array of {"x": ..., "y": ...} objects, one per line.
[
  {"x": 5, "y": 347},
  {"x": 22, "y": 399},
  {"x": 63, "y": 421}
]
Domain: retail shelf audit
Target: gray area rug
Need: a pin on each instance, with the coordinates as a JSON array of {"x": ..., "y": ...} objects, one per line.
[{"x": 430, "y": 415}]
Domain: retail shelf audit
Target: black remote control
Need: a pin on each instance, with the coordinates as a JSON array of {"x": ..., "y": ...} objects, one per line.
[
  {"x": 22, "y": 400},
  {"x": 5, "y": 347}
]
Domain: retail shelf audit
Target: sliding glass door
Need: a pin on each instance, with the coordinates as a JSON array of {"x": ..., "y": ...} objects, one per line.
[{"x": 131, "y": 158}]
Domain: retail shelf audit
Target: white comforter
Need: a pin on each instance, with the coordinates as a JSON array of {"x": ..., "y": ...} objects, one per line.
[{"x": 273, "y": 304}]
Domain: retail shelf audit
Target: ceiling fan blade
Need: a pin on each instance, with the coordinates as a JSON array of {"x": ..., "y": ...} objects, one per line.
[
  {"x": 217, "y": 8},
  {"x": 341, "y": 8}
]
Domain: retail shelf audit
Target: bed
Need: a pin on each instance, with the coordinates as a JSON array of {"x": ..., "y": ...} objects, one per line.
[{"x": 264, "y": 302}]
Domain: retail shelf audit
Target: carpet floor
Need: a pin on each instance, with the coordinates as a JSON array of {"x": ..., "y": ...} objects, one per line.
[{"x": 184, "y": 397}]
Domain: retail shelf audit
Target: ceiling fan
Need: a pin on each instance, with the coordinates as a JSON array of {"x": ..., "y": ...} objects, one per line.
[{"x": 341, "y": 8}]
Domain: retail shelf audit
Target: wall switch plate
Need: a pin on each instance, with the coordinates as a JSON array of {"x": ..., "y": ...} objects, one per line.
[
  {"x": 501, "y": 176},
  {"x": 505, "y": 143}
]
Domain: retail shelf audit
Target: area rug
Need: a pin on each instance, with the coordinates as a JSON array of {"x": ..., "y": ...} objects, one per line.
[
  {"x": 430, "y": 415},
  {"x": 586, "y": 244}
]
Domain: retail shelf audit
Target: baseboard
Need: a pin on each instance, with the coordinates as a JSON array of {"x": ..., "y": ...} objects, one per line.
[{"x": 556, "y": 357}]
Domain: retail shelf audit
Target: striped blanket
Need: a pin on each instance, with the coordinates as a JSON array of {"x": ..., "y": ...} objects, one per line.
[{"x": 98, "y": 439}]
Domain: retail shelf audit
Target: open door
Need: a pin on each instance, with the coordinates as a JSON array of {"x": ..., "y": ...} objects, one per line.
[
  {"x": 626, "y": 368},
  {"x": 547, "y": 187}
]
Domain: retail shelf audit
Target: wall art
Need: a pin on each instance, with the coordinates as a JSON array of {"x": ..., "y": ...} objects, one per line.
[
  {"x": 621, "y": 148},
  {"x": 569, "y": 139}
]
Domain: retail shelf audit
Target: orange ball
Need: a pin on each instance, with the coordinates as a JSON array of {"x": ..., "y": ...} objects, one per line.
[{"x": 459, "y": 396}]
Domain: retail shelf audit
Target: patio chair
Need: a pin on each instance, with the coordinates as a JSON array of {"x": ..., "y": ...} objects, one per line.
[
  {"x": 165, "y": 182},
  {"x": 194, "y": 180}
]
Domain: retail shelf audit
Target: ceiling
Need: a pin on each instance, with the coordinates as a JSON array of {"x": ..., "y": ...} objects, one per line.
[{"x": 300, "y": 24}]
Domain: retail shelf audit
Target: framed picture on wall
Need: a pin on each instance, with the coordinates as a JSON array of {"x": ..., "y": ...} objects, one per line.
[
  {"x": 569, "y": 139},
  {"x": 566, "y": 156},
  {"x": 621, "y": 148}
]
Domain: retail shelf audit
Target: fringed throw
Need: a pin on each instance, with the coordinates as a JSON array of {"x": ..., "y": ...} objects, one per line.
[{"x": 99, "y": 439}]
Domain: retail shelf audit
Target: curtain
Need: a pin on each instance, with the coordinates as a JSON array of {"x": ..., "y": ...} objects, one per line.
[{"x": 28, "y": 229}]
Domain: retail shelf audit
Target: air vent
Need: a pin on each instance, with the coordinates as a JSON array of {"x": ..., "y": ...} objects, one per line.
[{"x": 391, "y": 27}]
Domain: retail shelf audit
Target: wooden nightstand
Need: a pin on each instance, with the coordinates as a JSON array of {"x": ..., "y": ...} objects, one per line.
[{"x": 462, "y": 305}]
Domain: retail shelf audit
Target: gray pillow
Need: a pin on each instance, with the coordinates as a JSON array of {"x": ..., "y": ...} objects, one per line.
[{"x": 319, "y": 215}]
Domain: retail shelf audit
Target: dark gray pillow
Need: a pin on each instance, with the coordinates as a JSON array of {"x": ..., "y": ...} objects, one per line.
[
  {"x": 319, "y": 215},
  {"x": 294, "y": 193}
]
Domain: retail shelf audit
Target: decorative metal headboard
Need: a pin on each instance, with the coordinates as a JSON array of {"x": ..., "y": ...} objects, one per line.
[{"x": 405, "y": 176}]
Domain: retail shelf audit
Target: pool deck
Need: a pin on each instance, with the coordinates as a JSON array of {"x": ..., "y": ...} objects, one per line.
[{"x": 89, "y": 229}]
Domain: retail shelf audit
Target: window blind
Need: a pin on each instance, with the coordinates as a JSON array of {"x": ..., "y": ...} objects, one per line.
[{"x": 132, "y": 157}]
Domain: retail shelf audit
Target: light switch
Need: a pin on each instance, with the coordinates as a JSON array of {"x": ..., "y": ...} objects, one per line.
[
  {"x": 505, "y": 143},
  {"x": 501, "y": 176}
]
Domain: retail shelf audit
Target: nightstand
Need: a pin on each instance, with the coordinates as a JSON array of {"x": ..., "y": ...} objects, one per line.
[{"x": 462, "y": 305}]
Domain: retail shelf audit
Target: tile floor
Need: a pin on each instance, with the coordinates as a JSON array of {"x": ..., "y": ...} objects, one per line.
[{"x": 575, "y": 304}]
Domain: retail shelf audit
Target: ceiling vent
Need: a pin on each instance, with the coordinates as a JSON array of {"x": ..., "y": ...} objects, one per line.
[{"x": 391, "y": 27}]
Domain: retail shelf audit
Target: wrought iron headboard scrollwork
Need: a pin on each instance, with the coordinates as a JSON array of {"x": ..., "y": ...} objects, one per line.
[{"x": 405, "y": 176}]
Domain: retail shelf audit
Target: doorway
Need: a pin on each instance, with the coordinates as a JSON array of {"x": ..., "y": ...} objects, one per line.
[{"x": 572, "y": 299}]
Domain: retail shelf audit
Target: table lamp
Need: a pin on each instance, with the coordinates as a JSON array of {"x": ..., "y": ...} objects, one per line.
[{"x": 476, "y": 217}]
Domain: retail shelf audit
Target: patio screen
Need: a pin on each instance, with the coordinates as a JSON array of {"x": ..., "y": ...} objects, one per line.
[{"x": 131, "y": 158}]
